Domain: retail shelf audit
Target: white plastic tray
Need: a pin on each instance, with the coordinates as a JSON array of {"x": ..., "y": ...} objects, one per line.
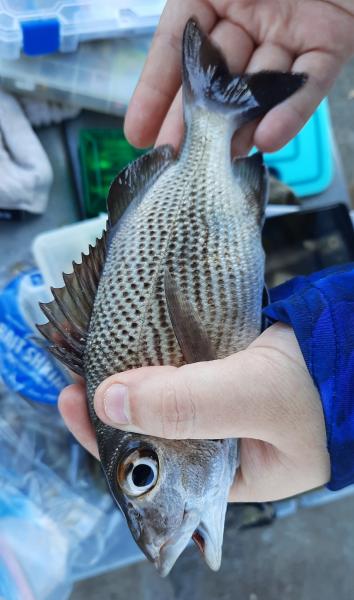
[{"x": 55, "y": 250}]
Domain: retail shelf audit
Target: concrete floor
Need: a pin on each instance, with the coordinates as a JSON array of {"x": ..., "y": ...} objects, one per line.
[{"x": 307, "y": 556}]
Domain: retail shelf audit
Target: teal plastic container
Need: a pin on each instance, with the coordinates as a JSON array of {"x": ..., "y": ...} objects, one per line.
[{"x": 306, "y": 163}]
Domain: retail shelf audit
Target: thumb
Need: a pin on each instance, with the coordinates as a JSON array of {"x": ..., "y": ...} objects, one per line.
[{"x": 207, "y": 400}]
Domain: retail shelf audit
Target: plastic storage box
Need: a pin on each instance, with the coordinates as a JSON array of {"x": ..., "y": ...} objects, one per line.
[
  {"x": 45, "y": 26},
  {"x": 103, "y": 154},
  {"x": 100, "y": 76},
  {"x": 306, "y": 163}
]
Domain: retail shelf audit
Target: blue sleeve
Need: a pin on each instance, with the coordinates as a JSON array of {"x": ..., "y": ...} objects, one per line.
[{"x": 320, "y": 309}]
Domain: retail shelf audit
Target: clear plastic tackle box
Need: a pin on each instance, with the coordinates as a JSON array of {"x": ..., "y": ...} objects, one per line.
[
  {"x": 37, "y": 27},
  {"x": 100, "y": 75}
]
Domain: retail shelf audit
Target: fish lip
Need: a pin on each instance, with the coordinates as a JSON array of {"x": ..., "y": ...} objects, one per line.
[
  {"x": 173, "y": 547},
  {"x": 210, "y": 544}
]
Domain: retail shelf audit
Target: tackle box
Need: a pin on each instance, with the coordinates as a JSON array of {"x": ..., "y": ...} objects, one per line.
[
  {"x": 103, "y": 154},
  {"x": 44, "y": 26},
  {"x": 306, "y": 163},
  {"x": 101, "y": 75}
]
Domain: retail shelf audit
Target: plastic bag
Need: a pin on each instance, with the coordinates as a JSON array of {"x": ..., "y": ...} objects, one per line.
[
  {"x": 58, "y": 522},
  {"x": 25, "y": 365}
]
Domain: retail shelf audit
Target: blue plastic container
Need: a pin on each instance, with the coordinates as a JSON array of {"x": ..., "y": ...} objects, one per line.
[{"x": 306, "y": 163}]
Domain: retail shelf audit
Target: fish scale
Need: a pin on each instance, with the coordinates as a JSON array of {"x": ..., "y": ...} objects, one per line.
[
  {"x": 180, "y": 230},
  {"x": 177, "y": 277}
]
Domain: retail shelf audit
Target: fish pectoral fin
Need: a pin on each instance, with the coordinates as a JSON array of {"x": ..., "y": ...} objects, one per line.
[
  {"x": 266, "y": 322},
  {"x": 190, "y": 332},
  {"x": 70, "y": 312},
  {"x": 135, "y": 179},
  {"x": 252, "y": 175}
]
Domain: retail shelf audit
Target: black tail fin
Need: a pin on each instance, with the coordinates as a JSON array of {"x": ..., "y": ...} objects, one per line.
[{"x": 207, "y": 81}]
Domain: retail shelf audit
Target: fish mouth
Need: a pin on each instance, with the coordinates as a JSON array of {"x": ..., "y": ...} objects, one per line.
[
  {"x": 207, "y": 537},
  {"x": 172, "y": 548},
  {"x": 209, "y": 543}
]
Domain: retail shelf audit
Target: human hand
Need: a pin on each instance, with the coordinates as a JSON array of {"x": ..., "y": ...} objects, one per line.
[
  {"x": 311, "y": 36},
  {"x": 263, "y": 395}
]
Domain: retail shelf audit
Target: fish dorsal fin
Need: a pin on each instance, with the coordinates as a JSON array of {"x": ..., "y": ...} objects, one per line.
[
  {"x": 70, "y": 312},
  {"x": 189, "y": 330},
  {"x": 135, "y": 179},
  {"x": 252, "y": 175}
]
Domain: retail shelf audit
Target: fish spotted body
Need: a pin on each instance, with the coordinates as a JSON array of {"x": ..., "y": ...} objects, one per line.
[{"x": 177, "y": 277}]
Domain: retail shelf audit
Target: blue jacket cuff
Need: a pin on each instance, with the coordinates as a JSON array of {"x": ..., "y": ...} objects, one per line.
[{"x": 320, "y": 309}]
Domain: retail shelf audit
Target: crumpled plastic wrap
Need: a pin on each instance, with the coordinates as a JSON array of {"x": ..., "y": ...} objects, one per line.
[
  {"x": 50, "y": 501},
  {"x": 58, "y": 523}
]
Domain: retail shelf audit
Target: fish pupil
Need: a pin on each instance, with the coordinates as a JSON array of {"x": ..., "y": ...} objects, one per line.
[{"x": 142, "y": 475}]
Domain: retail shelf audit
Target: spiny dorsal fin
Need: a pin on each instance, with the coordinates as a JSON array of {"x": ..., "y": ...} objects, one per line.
[
  {"x": 135, "y": 179},
  {"x": 70, "y": 312},
  {"x": 252, "y": 176},
  {"x": 189, "y": 330}
]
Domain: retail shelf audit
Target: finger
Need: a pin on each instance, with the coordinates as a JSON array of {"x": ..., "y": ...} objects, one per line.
[
  {"x": 263, "y": 475},
  {"x": 73, "y": 409},
  {"x": 237, "y": 46},
  {"x": 161, "y": 76},
  {"x": 265, "y": 57},
  {"x": 172, "y": 129},
  {"x": 218, "y": 399},
  {"x": 268, "y": 474},
  {"x": 284, "y": 121}
]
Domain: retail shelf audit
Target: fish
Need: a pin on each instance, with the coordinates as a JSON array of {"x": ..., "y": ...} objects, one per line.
[{"x": 177, "y": 277}]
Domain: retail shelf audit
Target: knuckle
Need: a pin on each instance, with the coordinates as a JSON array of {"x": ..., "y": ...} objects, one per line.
[{"x": 177, "y": 412}]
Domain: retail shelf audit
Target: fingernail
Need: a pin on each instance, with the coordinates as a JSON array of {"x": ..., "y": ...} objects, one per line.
[{"x": 116, "y": 404}]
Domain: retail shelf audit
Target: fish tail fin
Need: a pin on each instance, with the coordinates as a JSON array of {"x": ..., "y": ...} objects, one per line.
[{"x": 208, "y": 82}]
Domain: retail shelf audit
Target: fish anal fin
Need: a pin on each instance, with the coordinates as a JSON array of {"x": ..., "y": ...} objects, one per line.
[
  {"x": 190, "y": 332},
  {"x": 135, "y": 179},
  {"x": 252, "y": 176}
]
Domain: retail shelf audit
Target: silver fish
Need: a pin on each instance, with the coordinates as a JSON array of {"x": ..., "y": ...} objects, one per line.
[{"x": 177, "y": 277}]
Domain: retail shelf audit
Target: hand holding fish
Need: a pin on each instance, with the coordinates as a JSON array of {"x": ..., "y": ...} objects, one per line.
[
  {"x": 264, "y": 395},
  {"x": 311, "y": 36}
]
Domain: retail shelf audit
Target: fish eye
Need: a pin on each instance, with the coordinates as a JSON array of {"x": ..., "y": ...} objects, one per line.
[{"x": 138, "y": 473}]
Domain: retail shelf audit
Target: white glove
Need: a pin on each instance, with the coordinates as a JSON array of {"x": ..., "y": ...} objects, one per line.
[
  {"x": 45, "y": 112},
  {"x": 26, "y": 173}
]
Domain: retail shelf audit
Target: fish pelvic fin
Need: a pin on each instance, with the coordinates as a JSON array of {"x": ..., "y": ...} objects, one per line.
[
  {"x": 190, "y": 332},
  {"x": 281, "y": 193},
  {"x": 252, "y": 175},
  {"x": 208, "y": 82},
  {"x": 69, "y": 313}
]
